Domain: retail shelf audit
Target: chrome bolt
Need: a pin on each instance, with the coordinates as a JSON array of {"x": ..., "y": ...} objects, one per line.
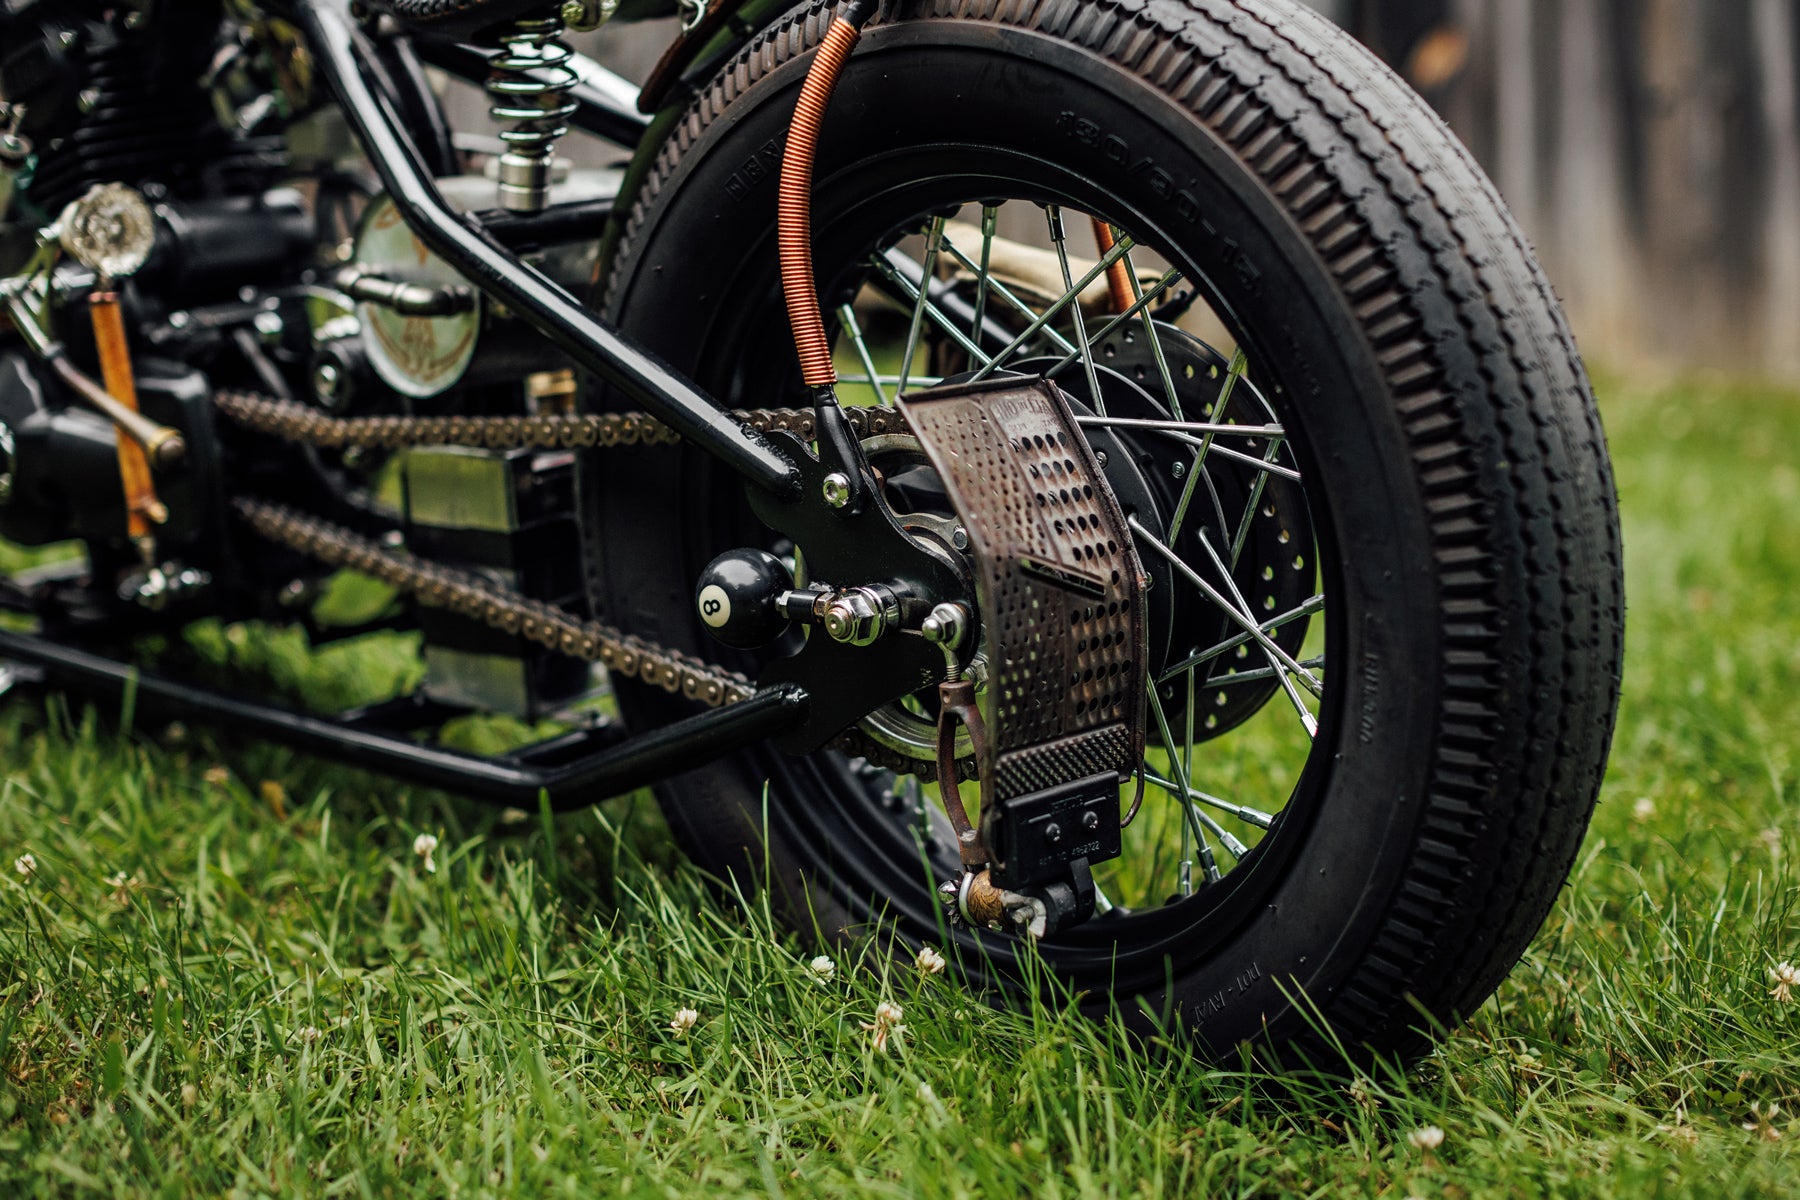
[
  {"x": 837, "y": 489},
  {"x": 860, "y": 616},
  {"x": 326, "y": 381},
  {"x": 947, "y": 625},
  {"x": 959, "y": 538},
  {"x": 1180, "y": 470}
]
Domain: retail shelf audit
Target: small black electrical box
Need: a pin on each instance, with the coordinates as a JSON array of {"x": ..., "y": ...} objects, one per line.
[{"x": 1042, "y": 834}]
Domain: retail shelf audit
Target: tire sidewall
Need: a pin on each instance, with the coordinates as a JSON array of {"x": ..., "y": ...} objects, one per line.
[{"x": 674, "y": 289}]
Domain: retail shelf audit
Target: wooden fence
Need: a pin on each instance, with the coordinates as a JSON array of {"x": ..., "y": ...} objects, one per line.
[{"x": 1651, "y": 148}]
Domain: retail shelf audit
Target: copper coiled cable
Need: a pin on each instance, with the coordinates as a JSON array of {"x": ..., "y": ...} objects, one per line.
[{"x": 793, "y": 221}]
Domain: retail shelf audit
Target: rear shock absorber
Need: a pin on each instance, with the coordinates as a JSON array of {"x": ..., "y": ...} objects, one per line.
[{"x": 529, "y": 83}]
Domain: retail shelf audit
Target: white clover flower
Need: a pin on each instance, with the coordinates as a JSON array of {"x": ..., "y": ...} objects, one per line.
[
  {"x": 886, "y": 1024},
  {"x": 684, "y": 1021},
  {"x": 1426, "y": 1139},
  {"x": 189, "y": 1094},
  {"x": 1362, "y": 1094},
  {"x": 930, "y": 961},
  {"x": 822, "y": 968},
  {"x": 1786, "y": 977},
  {"x": 424, "y": 846},
  {"x": 308, "y": 1034},
  {"x": 1763, "y": 1124},
  {"x": 26, "y": 864},
  {"x": 1643, "y": 810}
]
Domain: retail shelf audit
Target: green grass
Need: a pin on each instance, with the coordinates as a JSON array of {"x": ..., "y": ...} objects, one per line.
[{"x": 279, "y": 998}]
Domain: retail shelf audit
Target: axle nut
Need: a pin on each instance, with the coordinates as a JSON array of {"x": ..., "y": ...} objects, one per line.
[
  {"x": 837, "y": 489},
  {"x": 861, "y": 616}
]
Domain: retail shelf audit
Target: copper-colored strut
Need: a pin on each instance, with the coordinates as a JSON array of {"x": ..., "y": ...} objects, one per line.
[{"x": 142, "y": 508}]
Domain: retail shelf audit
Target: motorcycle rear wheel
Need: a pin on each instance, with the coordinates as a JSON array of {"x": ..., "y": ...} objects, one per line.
[{"x": 1436, "y": 416}]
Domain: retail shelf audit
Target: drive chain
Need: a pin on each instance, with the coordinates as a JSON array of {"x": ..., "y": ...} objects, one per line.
[{"x": 477, "y": 598}]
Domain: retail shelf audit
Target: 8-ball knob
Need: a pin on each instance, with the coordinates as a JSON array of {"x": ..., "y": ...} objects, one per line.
[{"x": 736, "y": 598}]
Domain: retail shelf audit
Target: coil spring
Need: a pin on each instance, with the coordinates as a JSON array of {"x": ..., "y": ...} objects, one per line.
[{"x": 529, "y": 85}]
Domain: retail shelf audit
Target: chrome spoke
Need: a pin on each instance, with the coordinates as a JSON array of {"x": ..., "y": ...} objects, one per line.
[
  {"x": 1274, "y": 432},
  {"x": 1059, "y": 235},
  {"x": 1148, "y": 298},
  {"x": 990, "y": 225},
  {"x": 1232, "y": 611},
  {"x": 1315, "y": 605},
  {"x": 1261, "y": 674},
  {"x": 847, "y": 318},
  {"x": 889, "y": 380},
  {"x": 1244, "y": 813},
  {"x": 1283, "y": 662},
  {"x": 1156, "y": 350},
  {"x": 1242, "y": 538},
  {"x": 1005, "y": 293},
  {"x": 922, "y": 305},
  {"x": 1207, "y": 862},
  {"x": 933, "y": 239},
  {"x": 1239, "y": 364},
  {"x": 1055, "y": 310}
]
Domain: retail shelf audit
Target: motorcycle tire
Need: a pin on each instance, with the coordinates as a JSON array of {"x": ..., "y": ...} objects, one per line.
[{"x": 1455, "y": 475}]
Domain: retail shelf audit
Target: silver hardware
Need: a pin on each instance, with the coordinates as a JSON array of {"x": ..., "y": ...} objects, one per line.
[
  {"x": 529, "y": 86},
  {"x": 861, "y": 616},
  {"x": 692, "y": 13},
  {"x": 327, "y": 380},
  {"x": 110, "y": 230},
  {"x": 586, "y": 15},
  {"x": 959, "y": 538},
  {"x": 837, "y": 489},
  {"x": 7, "y": 454},
  {"x": 155, "y": 588},
  {"x": 947, "y": 626}
]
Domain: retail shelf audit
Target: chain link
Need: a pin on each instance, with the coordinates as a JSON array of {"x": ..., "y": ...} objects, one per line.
[
  {"x": 478, "y": 599},
  {"x": 295, "y": 422}
]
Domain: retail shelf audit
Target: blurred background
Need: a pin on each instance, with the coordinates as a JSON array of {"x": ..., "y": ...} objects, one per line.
[{"x": 1650, "y": 147}]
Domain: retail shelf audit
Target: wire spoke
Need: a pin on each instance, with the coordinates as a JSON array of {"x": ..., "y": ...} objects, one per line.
[
  {"x": 1056, "y": 309},
  {"x": 990, "y": 225},
  {"x": 1315, "y": 605},
  {"x": 1207, "y": 862},
  {"x": 1282, "y": 662},
  {"x": 1156, "y": 349},
  {"x": 1261, "y": 674},
  {"x": 933, "y": 239},
  {"x": 1162, "y": 285},
  {"x": 1274, "y": 433},
  {"x": 847, "y": 318},
  {"x": 1059, "y": 235},
  {"x": 1005, "y": 293},
  {"x": 924, "y": 306},
  {"x": 1249, "y": 816},
  {"x": 1232, "y": 611}
]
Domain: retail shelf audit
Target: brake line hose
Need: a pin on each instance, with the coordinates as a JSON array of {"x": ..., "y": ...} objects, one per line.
[{"x": 793, "y": 221}]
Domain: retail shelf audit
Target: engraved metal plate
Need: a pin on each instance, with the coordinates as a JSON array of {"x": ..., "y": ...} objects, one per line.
[{"x": 1058, "y": 580}]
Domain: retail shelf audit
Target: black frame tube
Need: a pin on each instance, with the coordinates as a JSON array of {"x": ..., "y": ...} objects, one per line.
[
  {"x": 331, "y": 33},
  {"x": 586, "y": 780}
]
